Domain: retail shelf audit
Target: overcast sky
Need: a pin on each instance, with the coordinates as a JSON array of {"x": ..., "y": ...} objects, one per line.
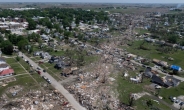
[{"x": 101, "y": 1}]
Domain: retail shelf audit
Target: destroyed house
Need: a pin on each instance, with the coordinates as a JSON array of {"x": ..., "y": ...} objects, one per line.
[
  {"x": 171, "y": 81},
  {"x": 60, "y": 64},
  {"x": 54, "y": 59},
  {"x": 148, "y": 72},
  {"x": 159, "y": 81},
  {"x": 67, "y": 71}
]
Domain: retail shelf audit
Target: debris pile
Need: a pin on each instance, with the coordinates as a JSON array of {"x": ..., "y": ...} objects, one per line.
[
  {"x": 36, "y": 100},
  {"x": 93, "y": 89}
]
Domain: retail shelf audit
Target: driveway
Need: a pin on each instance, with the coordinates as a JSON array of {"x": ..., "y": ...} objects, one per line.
[{"x": 56, "y": 85}]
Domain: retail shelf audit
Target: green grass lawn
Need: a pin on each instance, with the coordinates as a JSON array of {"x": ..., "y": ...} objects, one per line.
[
  {"x": 51, "y": 70},
  {"x": 37, "y": 77},
  {"x": 141, "y": 31},
  {"x": 56, "y": 75},
  {"x": 142, "y": 105},
  {"x": 36, "y": 58},
  {"x": 153, "y": 53},
  {"x": 48, "y": 65},
  {"x": 173, "y": 91},
  {"x": 15, "y": 65},
  {"x": 124, "y": 87},
  {"x": 24, "y": 80},
  {"x": 24, "y": 64},
  {"x": 58, "y": 53},
  {"x": 90, "y": 59},
  {"x": 10, "y": 60},
  {"x": 19, "y": 70}
]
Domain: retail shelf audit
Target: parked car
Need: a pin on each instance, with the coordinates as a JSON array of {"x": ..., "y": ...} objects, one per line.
[
  {"x": 44, "y": 70},
  {"x": 48, "y": 80},
  {"x": 39, "y": 72},
  {"x": 44, "y": 77},
  {"x": 181, "y": 103},
  {"x": 38, "y": 68},
  {"x": 65, "y": 103},
  {"x": 177, "y": 101},
  {"x": 171, "y": 98}
]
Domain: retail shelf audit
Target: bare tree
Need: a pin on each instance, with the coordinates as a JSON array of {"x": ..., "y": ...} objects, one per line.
[{"x": 131, "y": 100}]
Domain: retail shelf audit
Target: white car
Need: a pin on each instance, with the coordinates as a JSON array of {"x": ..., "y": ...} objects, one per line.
[{"x": 48, "y": 80}]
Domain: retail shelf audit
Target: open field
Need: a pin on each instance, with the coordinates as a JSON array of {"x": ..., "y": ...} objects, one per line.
[
  {"x": 126, "y": 87},
  {"x": 135, "y": 10},
  {"x": 174, "y": 91},
  {"x": 25, "y": 81},
  {"x": 142, "y": 105}
]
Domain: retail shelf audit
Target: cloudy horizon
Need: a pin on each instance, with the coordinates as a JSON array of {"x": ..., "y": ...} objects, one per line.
[{"x": 101, "y": 1}]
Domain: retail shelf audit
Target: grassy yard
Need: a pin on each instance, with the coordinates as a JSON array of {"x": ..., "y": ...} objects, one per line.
[
  {"x": 36, "y": 58},
  {"x": 153, "y": 53},
  {"x": 141, "y": 31},
  {"x": 142, "y": 105},
  {"x": 24, "y": 64},
  {"x": 37, "y": 77},
  {"x": 11, "y": 60},
  {"x": 15, "y": 65},
  {"x": 25, "y": 81},
  {"x": 89, "y": 59},
  {"x": 58, "y": 53},
  {"x": 173, "y": 91},
  {"x": 51, "y": 70},
  {"x": 124, "y": 87}
]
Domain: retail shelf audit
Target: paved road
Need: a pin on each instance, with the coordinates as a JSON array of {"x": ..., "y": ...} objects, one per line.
[{"x": 57, "y": 85}]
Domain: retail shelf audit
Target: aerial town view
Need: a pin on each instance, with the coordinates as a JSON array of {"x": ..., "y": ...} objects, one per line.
[{"x": 91, "y": 55}]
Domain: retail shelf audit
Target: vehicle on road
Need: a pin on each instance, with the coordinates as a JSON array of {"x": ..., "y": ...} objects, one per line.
[
  {"x": 48, "y": 80},
  {"x": 38, "y": 68},
  {"x": 39, "y": 72},
  {"x": 181, "y": 103},
  {"x": 177, "y": 101},
  {"x": 44, "y": 70},
  {"x": 44, "y": 77}
]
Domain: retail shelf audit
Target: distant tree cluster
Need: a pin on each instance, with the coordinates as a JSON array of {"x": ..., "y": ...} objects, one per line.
[
  {"x": 171, "y": 32},
  {"x": 64, "y": 15}
]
